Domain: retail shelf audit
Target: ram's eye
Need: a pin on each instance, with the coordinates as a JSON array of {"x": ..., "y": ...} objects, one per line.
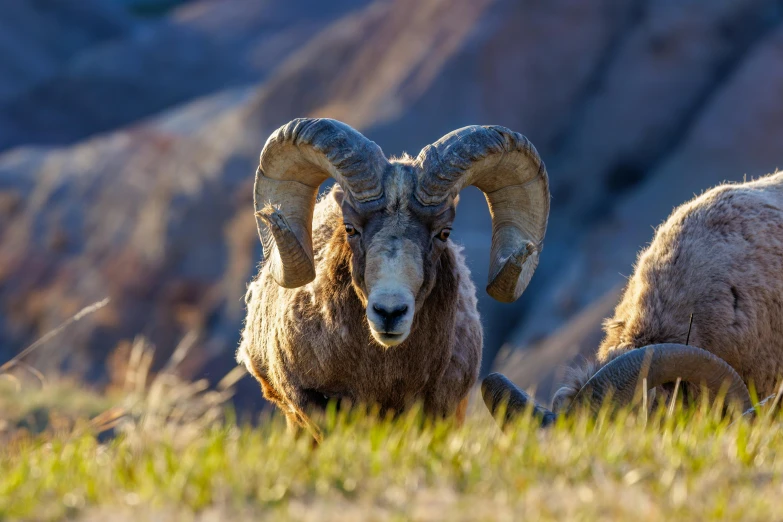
[
  {"x": 444, "y": 234},
  {"x": 350, "y": 230}
]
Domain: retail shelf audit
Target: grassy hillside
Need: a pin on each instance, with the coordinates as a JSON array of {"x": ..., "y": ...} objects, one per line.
[{"x": 171, "y": 453}]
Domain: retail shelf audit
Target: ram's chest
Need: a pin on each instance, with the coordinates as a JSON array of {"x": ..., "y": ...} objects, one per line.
[{"x": 366, "y": 372}]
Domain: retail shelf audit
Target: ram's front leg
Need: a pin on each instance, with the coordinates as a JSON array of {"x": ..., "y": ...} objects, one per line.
[
  {"x": 299, "y": 408},
  {"x": 462, "y": 412},
  {"x": 450, "y": 396},
  {"x": 445, "y": 404},
  {"x": 298, "y": 421}
]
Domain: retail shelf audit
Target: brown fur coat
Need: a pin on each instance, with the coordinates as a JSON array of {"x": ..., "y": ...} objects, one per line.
[
  {"x": 312, "y": 343},
  {"x": 720, "y": 258}
]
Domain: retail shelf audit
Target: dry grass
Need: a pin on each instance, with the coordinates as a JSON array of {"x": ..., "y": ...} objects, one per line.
[
  {"x": 176, "y": 456},
  {"x": 157, "y": 447}
]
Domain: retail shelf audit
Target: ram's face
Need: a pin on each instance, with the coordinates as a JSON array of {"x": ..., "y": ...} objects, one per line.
[
  {"x": 398, "y": 212},
  {"x": 395, "y": 250}
]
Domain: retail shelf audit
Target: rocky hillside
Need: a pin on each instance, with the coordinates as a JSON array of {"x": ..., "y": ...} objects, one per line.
[
  {"x": 38, "y": 36},
  {"x": 128, "y": 162},
  {"x": 200, "y": 48}
]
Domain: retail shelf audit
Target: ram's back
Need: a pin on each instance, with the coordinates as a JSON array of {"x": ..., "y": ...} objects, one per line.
[{"x": 720, "y": 258}]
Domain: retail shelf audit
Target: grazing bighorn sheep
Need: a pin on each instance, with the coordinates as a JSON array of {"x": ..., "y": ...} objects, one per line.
[
  {"x": 718, "y": 257},
  {"x": 362, "y": 295}
]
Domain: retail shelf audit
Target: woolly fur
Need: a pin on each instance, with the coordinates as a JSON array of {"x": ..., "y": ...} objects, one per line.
[
  {"x": 313, "y": 342},
  {"x": 720, "y": 258}
]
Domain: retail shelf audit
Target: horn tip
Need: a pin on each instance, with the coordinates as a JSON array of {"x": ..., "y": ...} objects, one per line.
[
  {"x": 510, "y": 280},
  {"x": 493, "y": 388},
  {"x": 286, "y": 280},
  {"x": 497, "y": 390}
]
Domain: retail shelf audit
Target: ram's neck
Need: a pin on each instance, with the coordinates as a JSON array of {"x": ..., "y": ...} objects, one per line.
[{"x": 439, "y": 310}]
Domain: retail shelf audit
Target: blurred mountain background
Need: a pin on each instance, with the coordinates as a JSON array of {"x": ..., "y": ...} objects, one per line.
[{"x": 130, "y": 131}]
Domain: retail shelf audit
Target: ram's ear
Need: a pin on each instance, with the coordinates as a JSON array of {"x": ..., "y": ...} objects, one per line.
[{"x": 337, "y": 194}]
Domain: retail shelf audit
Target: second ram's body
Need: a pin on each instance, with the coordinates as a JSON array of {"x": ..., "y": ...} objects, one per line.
[
  {"x": 720, "y": 258},
  {"x": 717, "y": 258}
]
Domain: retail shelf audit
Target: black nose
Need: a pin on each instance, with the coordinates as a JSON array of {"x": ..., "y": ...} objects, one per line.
[{"x": 389, "y": 315}]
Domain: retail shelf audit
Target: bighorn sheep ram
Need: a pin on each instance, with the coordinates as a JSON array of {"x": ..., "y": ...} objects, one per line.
[
  {"x": 362, "y": 295},
  {"x": 718, "y": 257}
]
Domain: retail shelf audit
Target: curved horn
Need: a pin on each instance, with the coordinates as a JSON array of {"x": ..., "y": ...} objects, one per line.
[
  {"x": 505, "y": 166},
  {"x": 661, "y": 364},
  {"x": 296, "y": 159},
  {"x": 498, "y": 391}
]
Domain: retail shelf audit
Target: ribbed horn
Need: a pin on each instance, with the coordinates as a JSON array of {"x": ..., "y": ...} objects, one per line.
[
  {"x": 498, "y": 392},
  {"x": 296, "y": 159},
  {"x": 661, "y": 364},
  {"x": 505, "y": 166}
]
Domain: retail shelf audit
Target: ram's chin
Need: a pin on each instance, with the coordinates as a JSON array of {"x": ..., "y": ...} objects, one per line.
[{"x": 388, "y": 340}]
